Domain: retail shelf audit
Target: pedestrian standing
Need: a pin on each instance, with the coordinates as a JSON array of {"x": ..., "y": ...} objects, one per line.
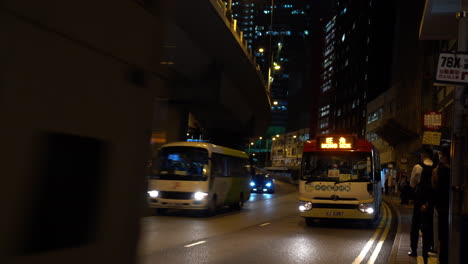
[
  {"x": 441, "y": 185},
  {"x": 421, "y": 181},
  {"x": 405, "y": 189},
  {"x": 391, "y": 179}
]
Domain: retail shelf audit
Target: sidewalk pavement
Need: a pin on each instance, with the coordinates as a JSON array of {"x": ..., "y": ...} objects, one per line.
[{"x": 401, "y": 245}]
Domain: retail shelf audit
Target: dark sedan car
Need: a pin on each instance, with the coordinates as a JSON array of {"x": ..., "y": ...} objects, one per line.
[{"x": 262, "y": 182}]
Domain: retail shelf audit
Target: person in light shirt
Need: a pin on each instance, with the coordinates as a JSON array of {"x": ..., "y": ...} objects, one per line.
[{"x": 420, "y": 181}]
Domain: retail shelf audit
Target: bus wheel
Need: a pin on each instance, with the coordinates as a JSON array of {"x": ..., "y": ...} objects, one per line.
[
  {"x": 239, "y": 204},
  {"x": 309, "y": 221},
  {"x": 211, "y": 210}
]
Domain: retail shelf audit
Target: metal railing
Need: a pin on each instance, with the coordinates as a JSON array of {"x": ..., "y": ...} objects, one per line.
[{"x": 231, "y": 23}]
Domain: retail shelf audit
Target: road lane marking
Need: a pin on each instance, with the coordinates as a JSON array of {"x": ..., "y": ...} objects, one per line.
[
  {"x": 371, "y": 241},
  {"x": 194, "y": 244},
  {"x": 265, "y": 224},
  {"x": 377, "y": 249}
]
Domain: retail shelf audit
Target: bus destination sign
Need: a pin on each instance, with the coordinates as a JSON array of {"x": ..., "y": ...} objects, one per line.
[{"x": 336, "y": 142}]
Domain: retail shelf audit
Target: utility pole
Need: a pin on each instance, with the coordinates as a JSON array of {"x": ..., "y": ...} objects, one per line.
[{"x": 457, "y": 148}]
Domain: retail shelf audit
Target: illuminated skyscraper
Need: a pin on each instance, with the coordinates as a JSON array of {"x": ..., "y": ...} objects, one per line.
[
  {"x": 279, "y": 36},
  {"x": 356, "y": 63}
]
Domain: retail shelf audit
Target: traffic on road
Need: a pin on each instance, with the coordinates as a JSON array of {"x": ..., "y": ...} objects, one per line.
[{"x": 208, "y": 204}]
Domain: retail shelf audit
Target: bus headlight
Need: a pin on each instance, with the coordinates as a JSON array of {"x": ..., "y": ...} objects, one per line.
[
  {"x": 153, "y": 194},
  {"x": 268, "y": 184},
  {"x": 252, "y": 183},
  {"x": 367, "y": 208},
  {"x": 200, "y": 196},
  {"x": 305, "y": 206}
]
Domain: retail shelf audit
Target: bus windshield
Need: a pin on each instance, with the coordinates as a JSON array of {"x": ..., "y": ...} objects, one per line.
[
  {"x": 336, "y": 166},
  {"x": 182, "y": 163}
]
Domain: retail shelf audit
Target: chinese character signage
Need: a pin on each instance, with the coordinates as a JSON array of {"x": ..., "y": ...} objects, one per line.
[
  {"x": 432, "y": 120},
  {"x": 336, "y": 142},
  {"x": 431, "y": 138},
  {"x": 452, "y": 68}
]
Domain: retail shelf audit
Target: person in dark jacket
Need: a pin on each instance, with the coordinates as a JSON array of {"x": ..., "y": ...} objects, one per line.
[
  {"x": 405, "y": 190},
  {"x": 421, "y": 182},
  {"x": 441, "y": 185}
]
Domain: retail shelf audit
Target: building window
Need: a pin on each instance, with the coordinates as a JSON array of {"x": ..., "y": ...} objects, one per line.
[
  {"x": 371, "y": 136},
  {"x": 374, "y": 116}
]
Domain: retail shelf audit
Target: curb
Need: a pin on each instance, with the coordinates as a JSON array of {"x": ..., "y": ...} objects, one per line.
[{"x": 396, "y": 241}]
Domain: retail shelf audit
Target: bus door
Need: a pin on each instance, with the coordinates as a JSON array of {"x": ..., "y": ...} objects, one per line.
[{"x": 220, "y": 182}]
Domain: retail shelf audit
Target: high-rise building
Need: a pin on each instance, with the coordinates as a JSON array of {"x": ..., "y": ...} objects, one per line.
[
  {"x": 356, "y": 63},
  {"x": 278, "y": 32}
]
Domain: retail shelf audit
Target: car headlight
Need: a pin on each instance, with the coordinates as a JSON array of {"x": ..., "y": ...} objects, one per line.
[
  {"x": 305, "y": 206},
  {"x": 252, "y": 183},
  {"x": 200, "y": 196},
  {"x": 268, "y": 184},
  {"x": 367, "y": 208},
  {"x": 153, "y": 194}
]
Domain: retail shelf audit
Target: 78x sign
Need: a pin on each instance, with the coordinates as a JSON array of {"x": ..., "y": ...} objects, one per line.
[{"x": 452, "y": 68}]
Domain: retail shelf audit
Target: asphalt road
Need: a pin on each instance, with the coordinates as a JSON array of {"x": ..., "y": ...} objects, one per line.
[{"x": 267, "y": 230}]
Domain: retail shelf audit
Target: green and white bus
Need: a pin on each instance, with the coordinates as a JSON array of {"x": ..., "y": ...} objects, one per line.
[{"x": 199, "y": 176}]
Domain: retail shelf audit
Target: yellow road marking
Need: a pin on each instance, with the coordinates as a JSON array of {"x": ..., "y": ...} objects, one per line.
[
  {"x": 194, "y": 244},
  {"x": 371, "y": 241},
  {"x": 377, "y": 249},
  {"x": 264, "y": 224}
]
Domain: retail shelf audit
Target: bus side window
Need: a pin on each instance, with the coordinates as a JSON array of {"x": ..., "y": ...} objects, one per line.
[{"x": 217, "y": 165}]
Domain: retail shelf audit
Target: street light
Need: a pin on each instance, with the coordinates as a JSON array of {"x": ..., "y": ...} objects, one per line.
[
  {"x": 260, "y": 138},
  {"x": 277, "y": 135},
  {"x": 261, "y": 50},
  {"x": 275, "y": 103}
]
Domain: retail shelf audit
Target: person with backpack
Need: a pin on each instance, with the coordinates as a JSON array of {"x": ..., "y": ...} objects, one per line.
[{"x": 421, "y": 181}]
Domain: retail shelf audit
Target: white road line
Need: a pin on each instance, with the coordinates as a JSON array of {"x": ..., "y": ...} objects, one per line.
[
  {"x": 377, "y": 249},
  {"x": 265, "y": 224},
  {"x": 194, "y": 244},
  {"x": 371, "y": 241}
]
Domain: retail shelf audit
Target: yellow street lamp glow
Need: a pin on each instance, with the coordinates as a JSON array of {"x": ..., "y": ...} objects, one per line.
[
  {"x": 260, "y": 138},
  {"x": 253, "y": 154},
  {"x": 273, "y": 139},
  {"x": 251, "y": 143},
  {"x": 277, "y": 67},
  {"x": 277, "y": 135},
  {"x": 275, "y": 103},
  {"x": 294, "y": 136},
  {"x": 261, "y": 50}
]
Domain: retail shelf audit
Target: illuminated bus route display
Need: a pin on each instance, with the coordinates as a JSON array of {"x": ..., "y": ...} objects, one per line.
[{"x": 336, "y": 142}]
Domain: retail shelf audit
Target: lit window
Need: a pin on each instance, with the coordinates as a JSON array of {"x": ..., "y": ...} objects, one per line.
[
  {"x": 374, "y": 116},
  {"x": 371, "y": 136}
]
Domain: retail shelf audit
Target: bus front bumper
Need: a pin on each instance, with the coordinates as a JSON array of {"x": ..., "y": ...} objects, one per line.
[
  {"x": 338, "y": 210},
  {"x": 178, "y": 204}
]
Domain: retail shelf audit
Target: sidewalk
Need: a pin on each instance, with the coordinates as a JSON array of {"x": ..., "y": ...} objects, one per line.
[{"x": 401, "y": 246}]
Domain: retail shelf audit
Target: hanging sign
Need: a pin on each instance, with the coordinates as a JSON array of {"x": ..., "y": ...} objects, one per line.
[
  {"x": 431, "y": 138},
  {"x": 433, "y": 120},
  {"x": 452, "y": 68}
]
